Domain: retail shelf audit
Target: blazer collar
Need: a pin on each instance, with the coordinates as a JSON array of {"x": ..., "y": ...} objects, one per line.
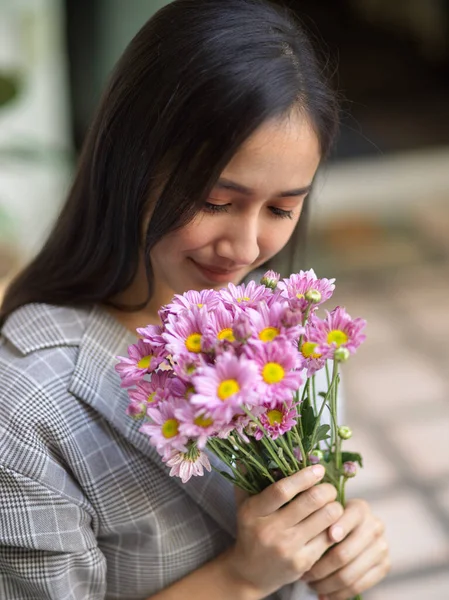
[{"x": 100, "y": 339}]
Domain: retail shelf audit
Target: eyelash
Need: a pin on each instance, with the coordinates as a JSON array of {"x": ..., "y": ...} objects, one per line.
[{"x": 223, "y": 208}]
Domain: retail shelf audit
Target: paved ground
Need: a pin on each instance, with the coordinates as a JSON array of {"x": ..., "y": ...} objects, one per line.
[{"x": 397, "y": 277}]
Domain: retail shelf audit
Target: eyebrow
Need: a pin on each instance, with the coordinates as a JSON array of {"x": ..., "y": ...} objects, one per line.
[{"x": 227, "y": 184}]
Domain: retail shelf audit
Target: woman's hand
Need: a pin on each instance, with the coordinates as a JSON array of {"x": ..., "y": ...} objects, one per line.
[
  {"x": 358, "y": 562},
  {"x": 283, "y": 531}
]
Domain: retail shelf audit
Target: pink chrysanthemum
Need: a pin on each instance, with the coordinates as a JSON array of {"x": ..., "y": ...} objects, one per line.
[
  {"x": 223, "y": 388},
  {"x": 337, "y": 330},
  {"x": 245, "y": 295},
  {"x": 187, "y": 464},
  {"x": 219, "y": 330},
  {"x": 279, "y": 367},
  {"x": 277, "y": 420},
  {"x": 180, "y": 303},
  {"x": 142, "y": 358},
  {"x": 153, "y": 391},
  {"x": 152, "y": 334},
  {"x": 297, "y": 285},
  {"x": 184, "y": 334},
  {"x": 314, "y": 360},
  {"x": 195, "y": 425},
  {"x": 268, "y": 323},
  {"x": 163, "y": 429},
  {"x": 187, "y": 365}
]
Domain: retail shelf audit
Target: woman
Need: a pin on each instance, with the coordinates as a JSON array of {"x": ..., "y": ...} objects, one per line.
[{"x": 195, "y": 173}]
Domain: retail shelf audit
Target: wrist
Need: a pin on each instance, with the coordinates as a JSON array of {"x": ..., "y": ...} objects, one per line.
[{"x": 238, "y": 586}]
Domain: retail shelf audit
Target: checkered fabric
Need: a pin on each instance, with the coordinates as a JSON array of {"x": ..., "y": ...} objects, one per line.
[{"x": 88, "y": 510}]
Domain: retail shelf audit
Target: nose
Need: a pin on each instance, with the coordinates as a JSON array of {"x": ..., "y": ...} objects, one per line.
[{"x": 238, "y": 242}]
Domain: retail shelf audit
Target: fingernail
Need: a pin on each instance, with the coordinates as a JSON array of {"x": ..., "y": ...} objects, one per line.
[
  {"x": 337, "y": 533},
  {"x": 318, "y": 470}
]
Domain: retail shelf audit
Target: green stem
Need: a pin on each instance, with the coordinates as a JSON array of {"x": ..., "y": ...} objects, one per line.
[
  {"x": 318, "y": 417},
  {"x": 256, "y": 463},
  {"x": 239, "y": 477}
]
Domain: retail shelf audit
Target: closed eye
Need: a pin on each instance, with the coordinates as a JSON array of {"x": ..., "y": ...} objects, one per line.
[
  {"x": 223, "y": 208},
  {"x": 281, "y": 214},
  {"x": 215, "y": 208}
]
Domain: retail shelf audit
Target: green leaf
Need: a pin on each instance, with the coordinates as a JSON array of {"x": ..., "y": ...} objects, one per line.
[
  {"x": 322, "y": 433},
  {"x": 308, "y": 420},
  {"x": 352, "y": 456}
]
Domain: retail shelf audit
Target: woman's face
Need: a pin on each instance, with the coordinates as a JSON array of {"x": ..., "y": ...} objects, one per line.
[{"x": 249, "y": 215}]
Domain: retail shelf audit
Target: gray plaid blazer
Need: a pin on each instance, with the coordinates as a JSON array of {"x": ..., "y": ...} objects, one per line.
[{"x": 88, "y": 510}]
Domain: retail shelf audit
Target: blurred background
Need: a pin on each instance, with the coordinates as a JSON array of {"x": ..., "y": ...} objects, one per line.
[{"x": 380, "y": 221}]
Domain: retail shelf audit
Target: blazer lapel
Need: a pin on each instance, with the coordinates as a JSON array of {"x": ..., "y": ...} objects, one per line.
[{"x": 96, "y": 382}]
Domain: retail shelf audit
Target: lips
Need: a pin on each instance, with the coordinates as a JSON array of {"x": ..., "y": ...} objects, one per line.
[{"x": 214, "y": 273}]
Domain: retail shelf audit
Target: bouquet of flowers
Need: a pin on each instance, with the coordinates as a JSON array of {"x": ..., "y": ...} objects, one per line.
[{"x": 233, "y": 371}]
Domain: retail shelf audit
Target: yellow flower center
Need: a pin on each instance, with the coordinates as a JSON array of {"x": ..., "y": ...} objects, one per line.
[
  {"x": 307, "y": 350},
  {"x": 273, "y": 373},
  {"x": 202, "y": 422},
  {"x": 274, "y": 416},
  {"x": 268, "y": 334},
  {"x": 151, "y": 397},
  {"x": 170, "y": 428},
  {"x": 144, "y": 362},
  {"x": 299, "y": 295},
  {"x": 243, "y": 299},
  {"x": 200, "y": 305},
  {"x": 193, "y": 343},
  {"x": 338, "y": 336},
  {"x": 226, "y": 334},
  {"x": 227, "y": 388}
]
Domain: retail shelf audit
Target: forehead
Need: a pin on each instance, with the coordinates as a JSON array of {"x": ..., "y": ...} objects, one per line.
[{"x": 281, "y": 154}]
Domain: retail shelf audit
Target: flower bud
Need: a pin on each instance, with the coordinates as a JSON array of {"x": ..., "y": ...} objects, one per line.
[
  {"x": 251, "y": 428},
  {"x": 270, "y": 280},
  {"x": 297, "y": 454},
  {"x": 349, "y": 469},
  {"x": 345, "y": 432},
  {"x": 315, "y": 456},
  {"x": 136, "y": 410},
  {"x": 341, "y": 354},
  {"x": 242, "y": 329},
  {"x": 313, "y": 296}
]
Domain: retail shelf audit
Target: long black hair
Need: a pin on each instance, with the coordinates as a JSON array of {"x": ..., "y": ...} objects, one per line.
[{"x": 196, "y": 81}]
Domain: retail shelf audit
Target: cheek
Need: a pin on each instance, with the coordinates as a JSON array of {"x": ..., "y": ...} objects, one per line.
[
  {"x": 275, "y": 236},
  {"x": 181, "y": 242}
]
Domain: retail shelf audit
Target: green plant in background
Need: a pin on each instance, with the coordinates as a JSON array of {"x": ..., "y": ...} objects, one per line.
[{"x": 9, "y": 87}]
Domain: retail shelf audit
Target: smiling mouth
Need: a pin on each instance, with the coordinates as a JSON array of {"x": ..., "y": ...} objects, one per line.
[{"x": 215, "y": 272}]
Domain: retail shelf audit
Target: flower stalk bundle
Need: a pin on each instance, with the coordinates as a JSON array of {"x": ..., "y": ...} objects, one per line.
[{"x": 233, "y": 372}]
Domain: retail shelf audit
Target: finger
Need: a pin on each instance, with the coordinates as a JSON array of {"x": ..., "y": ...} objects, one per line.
[
  {"x": 305, "y": 504},
  {"x": 318, "y": 522},
  {"x": 284, "y": 490},
  {"x": 370, "y": 579},
  {"x": 346, "y": 551},
  {"x": 355, "y": 512},
  {"x": 318, "y": 546},
  {"x": 344, "y": 578}
]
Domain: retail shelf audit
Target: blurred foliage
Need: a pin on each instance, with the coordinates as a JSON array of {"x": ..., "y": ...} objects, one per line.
[{"x": 9, "y": 87}]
